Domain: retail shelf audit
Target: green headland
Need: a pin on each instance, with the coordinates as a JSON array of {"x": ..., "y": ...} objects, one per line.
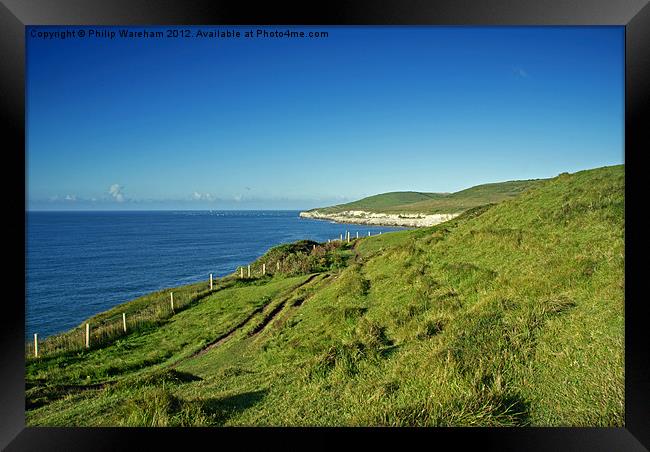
[
  {"x": 509, "y": 314},
  {"x": 432, "y": 203},
  {"x": 416, "y": 209}
]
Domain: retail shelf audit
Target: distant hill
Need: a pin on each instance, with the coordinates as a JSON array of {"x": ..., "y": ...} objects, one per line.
[{"x": 435, "y": 203}]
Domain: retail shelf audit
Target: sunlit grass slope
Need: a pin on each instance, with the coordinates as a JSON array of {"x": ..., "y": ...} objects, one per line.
[
  {"x": 432, "y": 203},
  {"x": 509, "y": 315}
]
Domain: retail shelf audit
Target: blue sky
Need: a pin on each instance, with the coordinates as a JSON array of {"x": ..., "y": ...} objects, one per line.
[{"x": 277, "y": 123}]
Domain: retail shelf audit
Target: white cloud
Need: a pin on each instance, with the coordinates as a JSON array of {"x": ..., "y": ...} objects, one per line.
[
  {"x": 115, "y": 191},
  {"x": 70, "y": 197},
  {"x": 202, "y": 196}
]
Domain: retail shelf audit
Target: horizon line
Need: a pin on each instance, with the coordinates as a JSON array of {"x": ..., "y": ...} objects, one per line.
[{"x": 162, "y": 210}]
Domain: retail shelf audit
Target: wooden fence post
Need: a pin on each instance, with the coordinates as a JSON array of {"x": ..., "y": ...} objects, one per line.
[
  {"x": 210, "y": 281},
  {"x": 87, "y": 335},
  {"x": 249, "y": 271},
  {"x": 348, "y": 232},
  {"x": 357, "y": 234},
  {"x": 277, "y": 265},
  {"x": 368, "y": 233},
  {"x": 171, "y": 298},
  {"x": 124, "y": 321},
  {"x": 35, "y": 345},
  {"x": 264, "y": 269},
  {"x": 241, "y": 273},
  {"x": 341, "y": 237}
]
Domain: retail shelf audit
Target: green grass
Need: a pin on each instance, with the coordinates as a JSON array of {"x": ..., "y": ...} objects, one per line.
[
  {"x": 435, "y": 203},
  {"x": 509, "y": 315},
  {"x": 379, "y": 203}
]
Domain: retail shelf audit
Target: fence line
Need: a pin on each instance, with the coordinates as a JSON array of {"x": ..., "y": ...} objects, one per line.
[{"x": 94, "y": 335}]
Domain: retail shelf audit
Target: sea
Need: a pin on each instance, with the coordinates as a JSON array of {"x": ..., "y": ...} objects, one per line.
[{"x": 81, "y": 263}]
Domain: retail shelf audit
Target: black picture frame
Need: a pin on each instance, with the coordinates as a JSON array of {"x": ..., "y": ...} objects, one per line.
[{"x": 15, "y": 15}]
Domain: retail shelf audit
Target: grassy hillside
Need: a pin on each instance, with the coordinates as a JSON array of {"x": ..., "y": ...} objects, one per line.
[
  {"x": 385, "y": 201},
  {"x": 510, "y": 314},
  {"x": 430, "y": 203}
]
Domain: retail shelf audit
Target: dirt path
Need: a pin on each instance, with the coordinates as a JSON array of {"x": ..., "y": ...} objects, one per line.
[
  {"x": 278, "y": 309},
  {"x": 66, "y": 389},
  {"x": 226, "y": 336}
]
